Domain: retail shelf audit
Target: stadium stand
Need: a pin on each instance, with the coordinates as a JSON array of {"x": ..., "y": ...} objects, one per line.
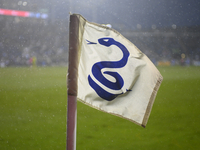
[
  {"x": 168, "y": 46},
  {"x": 23, "y": 39}
]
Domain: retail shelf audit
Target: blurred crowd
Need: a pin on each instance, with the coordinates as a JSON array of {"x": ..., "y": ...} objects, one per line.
[
  {"x": 167, "y": 46},
  {"x": 27, "y": 42}
]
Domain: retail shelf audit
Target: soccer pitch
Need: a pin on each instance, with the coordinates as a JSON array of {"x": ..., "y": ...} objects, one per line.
[{"x": 33, "y": 105}]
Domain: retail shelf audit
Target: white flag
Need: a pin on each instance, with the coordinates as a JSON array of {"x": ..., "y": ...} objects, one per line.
[{"x": 114, "y": 76}]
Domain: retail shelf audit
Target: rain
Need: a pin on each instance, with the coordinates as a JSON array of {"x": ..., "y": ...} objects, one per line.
[{"x": 34, "y": 47}]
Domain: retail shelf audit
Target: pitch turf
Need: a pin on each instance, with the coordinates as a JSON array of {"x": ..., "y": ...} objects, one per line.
[{"x": 33, "y": 114}]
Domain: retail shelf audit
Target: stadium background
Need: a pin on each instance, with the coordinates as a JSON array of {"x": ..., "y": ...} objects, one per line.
[{"x": 167, "y": 32}]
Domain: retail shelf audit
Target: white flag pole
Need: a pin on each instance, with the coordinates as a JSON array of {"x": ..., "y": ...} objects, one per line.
[{"x": 72, "y": 82}]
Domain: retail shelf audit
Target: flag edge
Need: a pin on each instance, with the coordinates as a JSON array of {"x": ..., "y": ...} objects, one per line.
[{"x": 151, "y": 100}]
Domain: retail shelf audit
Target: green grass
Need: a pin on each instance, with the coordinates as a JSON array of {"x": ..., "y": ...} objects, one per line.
[
  {"x": 33, "y": 114},
  {"x": 33, "y": 108}
]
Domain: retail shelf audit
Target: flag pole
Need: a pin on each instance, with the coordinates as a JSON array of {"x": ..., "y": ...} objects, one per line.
[{"x": 72, "y": 83}]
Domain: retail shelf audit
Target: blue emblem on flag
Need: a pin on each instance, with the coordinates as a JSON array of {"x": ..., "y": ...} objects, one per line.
[{"x": 97, "y": 73}]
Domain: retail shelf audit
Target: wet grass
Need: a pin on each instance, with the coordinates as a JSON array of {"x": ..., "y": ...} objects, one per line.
[
  {"x": 33, "y": 114},
  {"x": 32, "y": 108}
]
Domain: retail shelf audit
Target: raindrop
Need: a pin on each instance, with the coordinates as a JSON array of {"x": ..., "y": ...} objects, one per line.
[{"x": 174, "y": 26}]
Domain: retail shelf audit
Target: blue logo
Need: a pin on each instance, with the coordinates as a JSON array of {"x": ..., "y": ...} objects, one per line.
[{"x": 97, "y": 73}]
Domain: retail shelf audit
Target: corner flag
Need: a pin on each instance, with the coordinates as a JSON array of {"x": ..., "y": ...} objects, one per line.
[{"x": 114, "y": 76}]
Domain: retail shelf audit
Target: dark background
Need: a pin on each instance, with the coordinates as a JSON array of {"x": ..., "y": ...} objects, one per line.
[
  {"x": 127, "y": 14},
  {"x": 130, "y": 13}
]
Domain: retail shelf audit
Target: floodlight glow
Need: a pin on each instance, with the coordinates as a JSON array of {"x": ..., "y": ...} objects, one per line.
[{"x": 23, "y": 13}]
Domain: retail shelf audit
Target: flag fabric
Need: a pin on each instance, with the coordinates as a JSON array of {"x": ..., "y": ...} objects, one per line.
[{"x": 114, "y": 76}]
